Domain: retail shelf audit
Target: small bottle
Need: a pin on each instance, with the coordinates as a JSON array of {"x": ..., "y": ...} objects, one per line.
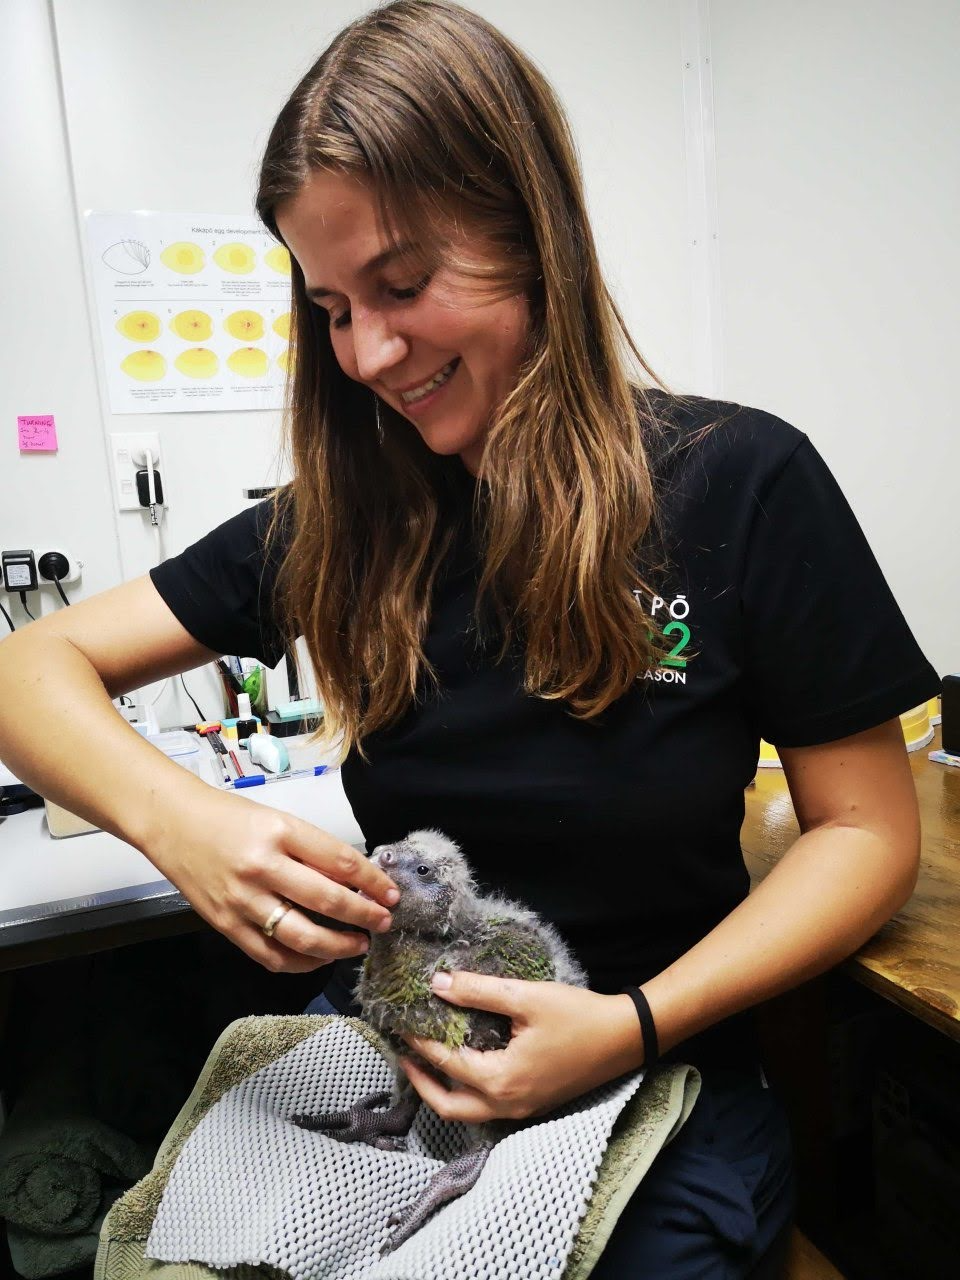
[{"x": 247, "y": 723}]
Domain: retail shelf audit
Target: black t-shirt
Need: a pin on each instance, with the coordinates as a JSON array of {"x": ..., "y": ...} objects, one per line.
[{"x": 624, "y": 831}]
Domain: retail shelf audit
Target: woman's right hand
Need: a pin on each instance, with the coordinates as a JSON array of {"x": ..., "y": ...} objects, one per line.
[{"x": 236, "y": 861}]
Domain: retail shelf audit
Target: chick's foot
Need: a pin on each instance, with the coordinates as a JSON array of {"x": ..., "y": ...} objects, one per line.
[
  {"x": 371, "y": 1120},
  {"x": 449, "y": 1183}
]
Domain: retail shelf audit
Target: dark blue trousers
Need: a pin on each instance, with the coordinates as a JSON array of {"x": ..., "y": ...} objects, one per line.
[{"x": 717, "y": 1199}]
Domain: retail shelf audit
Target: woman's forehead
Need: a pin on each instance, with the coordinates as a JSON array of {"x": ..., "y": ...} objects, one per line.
[{"x": 332, "y": 228}]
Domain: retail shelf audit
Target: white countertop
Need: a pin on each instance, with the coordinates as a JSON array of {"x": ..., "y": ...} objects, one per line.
[{"x": 67, "y": 875}]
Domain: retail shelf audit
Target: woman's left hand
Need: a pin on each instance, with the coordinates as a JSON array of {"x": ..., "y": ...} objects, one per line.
[{"x": 566, "y": 1041}]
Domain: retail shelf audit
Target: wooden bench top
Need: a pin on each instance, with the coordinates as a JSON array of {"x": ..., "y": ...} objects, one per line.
[{"x": 914, "y": 960}]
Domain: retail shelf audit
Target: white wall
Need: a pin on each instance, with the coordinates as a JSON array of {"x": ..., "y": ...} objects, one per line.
[
  {"x": 837, "y": 130},
  {"x": 833, "y": 267},
  {"x": 45, "y": 337}
]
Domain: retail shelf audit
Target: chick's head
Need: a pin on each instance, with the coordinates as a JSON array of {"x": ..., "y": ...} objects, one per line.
[{"x": 434, "y": 880}]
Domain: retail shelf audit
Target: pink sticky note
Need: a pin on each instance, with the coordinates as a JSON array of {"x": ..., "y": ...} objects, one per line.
[{"x": 38, "y": 433}]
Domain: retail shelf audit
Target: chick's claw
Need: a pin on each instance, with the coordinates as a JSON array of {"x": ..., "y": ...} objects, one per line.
[{"x": 370, "y": 1120}]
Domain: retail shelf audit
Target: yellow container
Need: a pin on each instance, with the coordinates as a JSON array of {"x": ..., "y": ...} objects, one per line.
[
  {"x": 917, "y": 729},
  {"x": 768, "y": 756}
]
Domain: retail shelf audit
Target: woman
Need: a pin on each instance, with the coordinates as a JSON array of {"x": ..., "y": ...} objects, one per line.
[{"x": 550, "y": 612}]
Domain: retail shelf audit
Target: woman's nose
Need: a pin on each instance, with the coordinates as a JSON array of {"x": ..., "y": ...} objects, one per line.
[{"x": 377, "y": 348}]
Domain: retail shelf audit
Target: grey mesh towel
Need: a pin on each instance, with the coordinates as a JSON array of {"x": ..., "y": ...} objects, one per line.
[{"x": 250, "y": 1187}]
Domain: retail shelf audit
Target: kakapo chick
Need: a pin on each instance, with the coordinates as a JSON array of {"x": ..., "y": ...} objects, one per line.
[{"x": 441, "y": 922}]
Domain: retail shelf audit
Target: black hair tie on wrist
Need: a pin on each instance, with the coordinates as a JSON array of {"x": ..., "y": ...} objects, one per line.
[{"x": 648, "y": 1029}]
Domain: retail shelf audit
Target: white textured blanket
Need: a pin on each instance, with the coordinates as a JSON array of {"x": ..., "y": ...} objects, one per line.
[{"x": 251, "y": 1187}]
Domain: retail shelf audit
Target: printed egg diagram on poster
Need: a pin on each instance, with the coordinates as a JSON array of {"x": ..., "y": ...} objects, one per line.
[{"x": 193, "y": 311}]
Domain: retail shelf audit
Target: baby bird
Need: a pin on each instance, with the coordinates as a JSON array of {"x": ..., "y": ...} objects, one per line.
[{"x": 441, "y": 922}]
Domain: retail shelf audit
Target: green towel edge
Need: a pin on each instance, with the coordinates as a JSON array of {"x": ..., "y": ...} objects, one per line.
[
  {"x": 669, "y": 1092},
  {"x": 629, "y": 1154}
]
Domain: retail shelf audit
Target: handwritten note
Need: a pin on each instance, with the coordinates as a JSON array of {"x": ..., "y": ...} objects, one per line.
[{"x": 38, "y": 434}]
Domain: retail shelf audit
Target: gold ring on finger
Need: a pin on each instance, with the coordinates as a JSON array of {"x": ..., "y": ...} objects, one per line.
[{"x": 269, "y": 927}]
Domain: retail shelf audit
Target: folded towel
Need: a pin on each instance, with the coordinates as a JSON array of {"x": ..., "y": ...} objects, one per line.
[
  {"x": 55, "y": 1156},
  {"x": 36, "y": 1256},
  {"x": 310, "y": 1206}
]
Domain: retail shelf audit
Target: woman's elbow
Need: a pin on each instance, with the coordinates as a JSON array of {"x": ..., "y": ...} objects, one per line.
[{"x": 905, "y": 867}]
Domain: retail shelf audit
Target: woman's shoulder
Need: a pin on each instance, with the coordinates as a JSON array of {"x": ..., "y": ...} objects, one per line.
[
  {"x": 689, "y": 433},
  {"x": 262, "y": 531}
]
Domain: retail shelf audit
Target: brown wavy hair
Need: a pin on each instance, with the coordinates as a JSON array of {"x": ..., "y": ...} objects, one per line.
[{"x": 449, "y": 123}]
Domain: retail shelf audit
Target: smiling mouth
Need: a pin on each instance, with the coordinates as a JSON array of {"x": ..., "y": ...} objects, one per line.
[{"x": 425, "y": 388}]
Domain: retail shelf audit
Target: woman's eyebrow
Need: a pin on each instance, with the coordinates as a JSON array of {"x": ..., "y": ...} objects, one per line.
[{"x": 315, "y": 291}]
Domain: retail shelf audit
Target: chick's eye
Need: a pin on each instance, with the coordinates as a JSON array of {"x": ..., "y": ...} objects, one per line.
[{"x": 423, "y": 870}]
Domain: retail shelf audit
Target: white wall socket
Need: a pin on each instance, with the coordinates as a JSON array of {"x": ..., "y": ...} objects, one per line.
[
  {"x": 125, "y": 448},
  {"x": 72, "y": 574},
  {"x": 74, "y": 569}
]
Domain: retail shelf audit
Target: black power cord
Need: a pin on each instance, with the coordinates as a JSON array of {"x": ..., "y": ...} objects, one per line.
[
  {"x": 54, "y": 565},
  {"x": 8, "y": 618},
  {"x": 23, "y": 601},
  {"x": 192, "y": 699}
]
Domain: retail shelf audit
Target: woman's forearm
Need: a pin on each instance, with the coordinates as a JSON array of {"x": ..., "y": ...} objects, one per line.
[
  {"x": 830, "y": 892},
  {"x": 61, "y": 735}
]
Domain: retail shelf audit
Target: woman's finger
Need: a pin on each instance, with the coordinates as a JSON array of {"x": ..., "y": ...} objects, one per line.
[
  {"x": 480, "y": 991},
  {"x": 467, "y": 1066},
  {"x": 463, "y": 1104},
  {"x": 273, "y": 955},
  {"x": 339, "y": 861},
  {"x": 295, "y": 931},
  {"x": 313, "y": 890}
]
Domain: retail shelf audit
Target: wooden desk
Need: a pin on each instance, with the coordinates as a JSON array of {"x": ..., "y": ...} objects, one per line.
[{"x": 915, "y": 959}]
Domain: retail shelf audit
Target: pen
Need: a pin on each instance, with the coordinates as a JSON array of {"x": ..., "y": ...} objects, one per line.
[
  {"x": 230, "y": 676},
  {"x": 236, "y": 765},
  {"x": 209, "y": 731},
  {"x": 261, "y": 779}
]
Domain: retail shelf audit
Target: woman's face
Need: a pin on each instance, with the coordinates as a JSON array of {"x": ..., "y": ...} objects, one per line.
[{"x": 438, "y": 354}]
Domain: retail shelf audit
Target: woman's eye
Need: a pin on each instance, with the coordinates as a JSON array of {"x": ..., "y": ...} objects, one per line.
[
  {"x": 412, "y": 292},
  {"x": 402, "y": 295}
]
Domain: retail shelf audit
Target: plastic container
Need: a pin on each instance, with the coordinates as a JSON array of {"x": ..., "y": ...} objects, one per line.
[
  {"x": 182, "y": 747},
  {"x": 247, "y": 723},
  {"x": 917, "y": 729}
]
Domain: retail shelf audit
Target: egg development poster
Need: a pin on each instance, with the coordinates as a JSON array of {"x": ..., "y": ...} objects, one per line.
[{"x": 193, "y": 311}]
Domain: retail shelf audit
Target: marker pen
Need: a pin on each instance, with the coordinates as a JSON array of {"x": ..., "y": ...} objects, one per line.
[{"x": 261, "y": 779}]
